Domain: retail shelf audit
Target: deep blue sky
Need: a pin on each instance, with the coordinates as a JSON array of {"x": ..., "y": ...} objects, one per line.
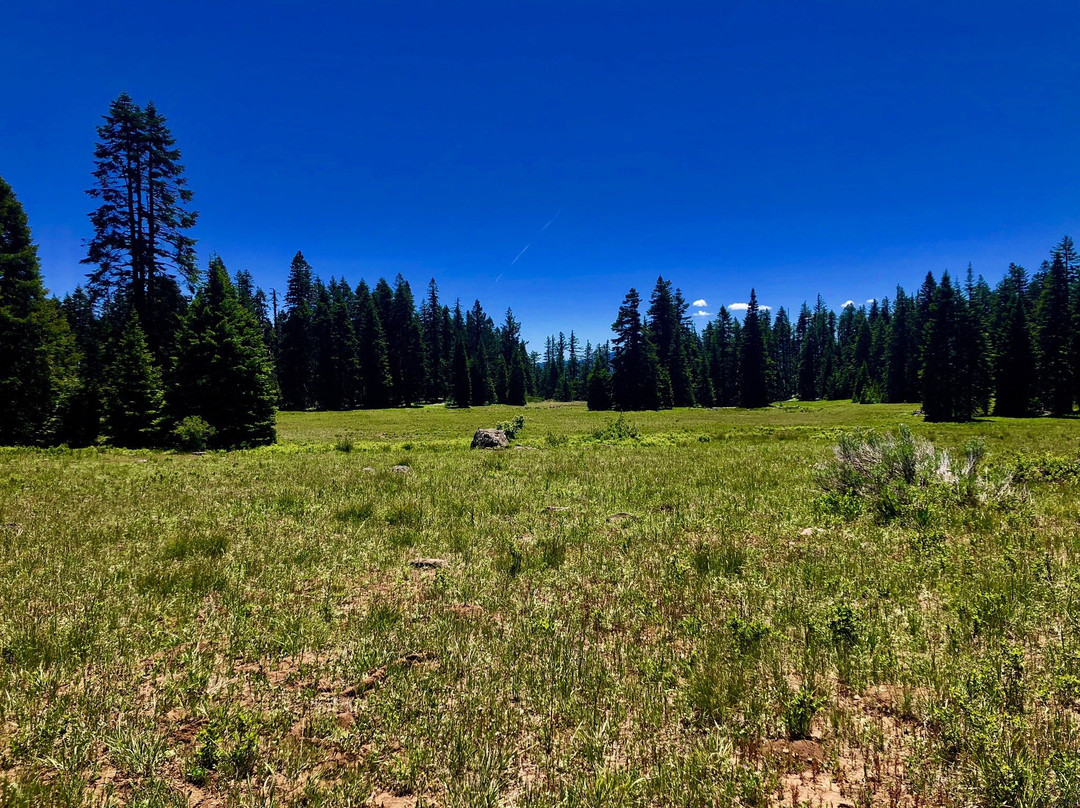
[{"x": 796, "y": 147}]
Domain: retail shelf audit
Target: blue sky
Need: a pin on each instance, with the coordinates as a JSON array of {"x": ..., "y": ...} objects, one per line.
[{"x": 833, "y": 147}]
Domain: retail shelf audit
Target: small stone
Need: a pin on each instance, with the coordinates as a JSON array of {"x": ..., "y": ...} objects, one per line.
[
  {"x": 400, "y": 470},
  {"x": 368, "y": 470}
]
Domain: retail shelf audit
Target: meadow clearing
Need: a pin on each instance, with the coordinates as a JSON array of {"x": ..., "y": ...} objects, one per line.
[{"x": 667, "y": 609}]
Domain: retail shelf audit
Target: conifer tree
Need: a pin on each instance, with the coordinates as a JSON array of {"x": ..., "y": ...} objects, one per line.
[
  {"x": 939, "y": 365},
  {"x": 375, "y": 383},
  {"x": 753, "y": 380},
  {"x": 223, "y": 372},
  {"x": 82, "y": 413},
  {"x": 134, "y": 395},
  {"x": 598, "y": 396},
  {"x": 37, "y": 352},
  {"x": 1014, "y": 363},
  {"x": 478, "y": 329},
  {"x": 140, "y": 241},
  {"x": 406, "y": 343},
  {"x": 437, "y": 353},
  {"x": 635, "y": 369},
  {"x": 515, "y": 387},
  {"x": 296, "y": 354},
  {"x": 1054, "y": 338},
  {"x": 461, "y": 390}
]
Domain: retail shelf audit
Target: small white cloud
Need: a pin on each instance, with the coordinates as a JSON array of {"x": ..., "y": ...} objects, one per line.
[
  {"x": 848, "y": 303},
  {"x": 871, "y": 300},
  {"x": 745, "y": 306},
  {"x": 702, "y": 313},
  {"x": 700, "y": 304}
]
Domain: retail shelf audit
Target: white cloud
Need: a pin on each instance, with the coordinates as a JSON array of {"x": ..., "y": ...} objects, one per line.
[
  {"x": 745, "y": 306},
  {"x": 871, "y": 300},
  {"x": 700, "y": 304},
  {"x": 848, "y": 303},
  {"x": 702, "y": 313}
]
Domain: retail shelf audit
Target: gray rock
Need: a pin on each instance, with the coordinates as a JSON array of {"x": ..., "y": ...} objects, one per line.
[
  {"x": 400, "y": 470},
  {"x": 490, "y": 439}
]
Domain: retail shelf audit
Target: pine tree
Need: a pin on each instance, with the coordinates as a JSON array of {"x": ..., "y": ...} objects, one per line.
[
  {"x": 478, "y": 327},
  {"x": 1054, "y": 337},
  {"x": 406, "y": 345},
  {"x": 296, "y": 352},
  {"x": 598, "y": 396},
  {"x": 898, "y": 349},
  {"x": 515, "y": 387},
  {"x": 37, "y": 352},
  {"x": 223, "y": 371},
  {"x": 375, "y": 383},
  {"x": 753, "y": 381},
  {"x": 939, "y": 356},
  {"x": 461, "y": 390},
  {"x": 1014, "y": 362},
  {"x": 81, "y": 419},
  {"x": 134, "y": 397},
  {"x": 437, "y": 353},
  {"x": 140, "y": 242},
  {"x": 635, "y": 368}
]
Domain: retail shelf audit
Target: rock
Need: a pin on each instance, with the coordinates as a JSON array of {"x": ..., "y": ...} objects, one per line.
[
  {"x": 429, "y": 563},
  {"x": 618, "y": 517},
  {"x": 400, "y": 470},
  {"x": 807, "y": 532},
  {"x": 368, "y": 470},
  {"x": 490, "y": 439}
]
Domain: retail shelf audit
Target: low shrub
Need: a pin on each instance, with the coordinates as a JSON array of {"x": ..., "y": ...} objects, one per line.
[
  {"x": 193, "y": 434},
  {"x": 901, "y": 477},
  {"x": 512, "y": 427}
]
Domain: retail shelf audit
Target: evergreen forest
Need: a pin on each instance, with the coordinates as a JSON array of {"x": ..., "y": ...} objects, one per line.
[{"x": 154, "y": 350}]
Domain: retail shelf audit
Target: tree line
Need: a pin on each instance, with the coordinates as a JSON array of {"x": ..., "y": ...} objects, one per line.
[
  {"x": 153, "y": 351},
  {"x": 960, "y": 350}
]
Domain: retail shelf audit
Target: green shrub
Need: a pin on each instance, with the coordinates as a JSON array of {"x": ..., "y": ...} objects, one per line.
[
  {"x": 193, "y": 434},
  {"x": 512, "y": 427},
  {"x": 799, "y": 712},
  {"x": 617, "y": 431}
]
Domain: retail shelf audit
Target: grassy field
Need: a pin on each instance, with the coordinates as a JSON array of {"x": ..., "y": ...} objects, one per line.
[{"x": 662, "y": 610}]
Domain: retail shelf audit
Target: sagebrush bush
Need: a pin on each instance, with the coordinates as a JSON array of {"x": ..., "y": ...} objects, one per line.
[{"x": 899, "y": 476}]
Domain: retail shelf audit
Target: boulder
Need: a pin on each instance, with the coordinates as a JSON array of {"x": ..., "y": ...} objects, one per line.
[{"x": 490, "y": 439}]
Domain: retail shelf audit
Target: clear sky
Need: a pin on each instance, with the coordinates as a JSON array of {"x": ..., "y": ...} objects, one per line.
[{"x": 833, "y": 147}]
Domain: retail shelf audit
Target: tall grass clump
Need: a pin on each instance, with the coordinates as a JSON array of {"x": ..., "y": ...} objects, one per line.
[{"x": 900, "y": 476}]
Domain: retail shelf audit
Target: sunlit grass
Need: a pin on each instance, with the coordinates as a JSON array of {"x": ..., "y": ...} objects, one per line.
[{"x": 627, "y": 617}]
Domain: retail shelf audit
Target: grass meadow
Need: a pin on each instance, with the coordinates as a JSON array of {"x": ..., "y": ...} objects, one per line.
[{"x": 663, "y": 609}]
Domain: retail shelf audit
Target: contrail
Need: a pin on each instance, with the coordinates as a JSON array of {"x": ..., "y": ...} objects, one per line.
[
  {"x": 542, "y": 229},
  {"x": 551, "y": 220},
  {"x": 520, "y": 254}
]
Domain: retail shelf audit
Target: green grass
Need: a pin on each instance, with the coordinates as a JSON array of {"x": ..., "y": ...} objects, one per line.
[{"x": 631, "y": 614}]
